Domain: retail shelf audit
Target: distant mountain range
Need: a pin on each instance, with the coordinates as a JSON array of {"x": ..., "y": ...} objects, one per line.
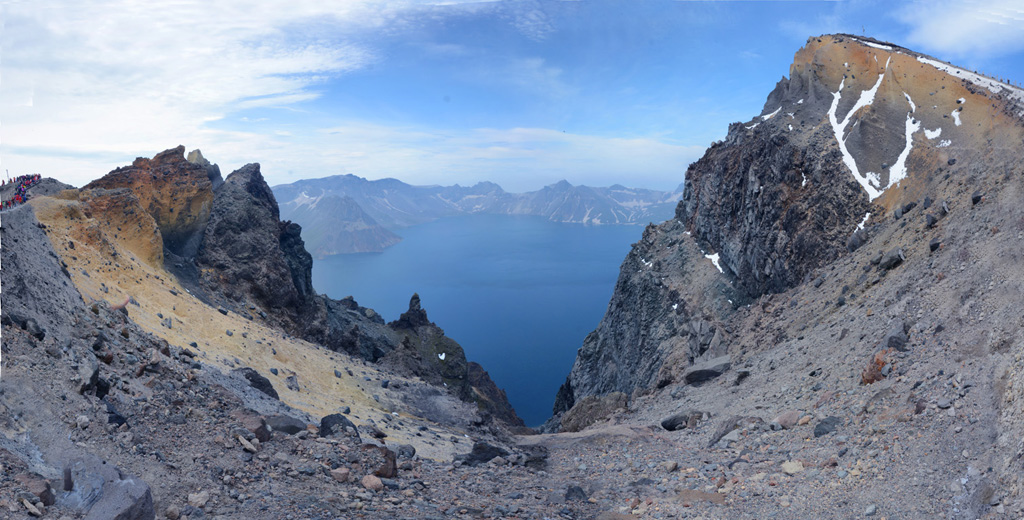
[{"x": 349, "y": 214}]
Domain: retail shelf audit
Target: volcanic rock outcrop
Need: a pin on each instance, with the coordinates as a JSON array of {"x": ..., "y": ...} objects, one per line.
[
  {"x": 177, "y": 193},
  {"x": 229, "y": 246}
]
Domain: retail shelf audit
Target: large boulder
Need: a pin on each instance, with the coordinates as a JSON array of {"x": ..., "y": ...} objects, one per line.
[
  {"x": 101, "y": 491},
  {"x": 592, "y": 409},
  {"x": 257, "y": 381}
]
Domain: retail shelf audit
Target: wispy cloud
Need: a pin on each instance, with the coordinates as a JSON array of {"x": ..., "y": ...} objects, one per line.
[
  {"x": 964, "y": 27},
  {"x": 113, "y": 78}
]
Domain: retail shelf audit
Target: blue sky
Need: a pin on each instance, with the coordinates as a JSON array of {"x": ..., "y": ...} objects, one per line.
[{"x": 523, "y": 93}]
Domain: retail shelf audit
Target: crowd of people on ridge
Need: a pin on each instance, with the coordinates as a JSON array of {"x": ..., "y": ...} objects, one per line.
[{"x": 23, "y": 182}]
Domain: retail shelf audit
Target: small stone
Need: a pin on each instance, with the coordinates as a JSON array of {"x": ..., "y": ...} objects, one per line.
[
  {"x": 337, "y": 373},
  {"x": 198, "y": 499},
  {"x": 944, "y": 403},
  {"x": 246, "y": 445},
  {"x": 229, "y": 333},
  {"x": 827, "y": 426},
  {"x": 32, "y": 510},
  {"x": 575, "y": 493},
  {"x": 671, "y": 465},
  {"x": 786, "y": 420},
  {"x": 804, "y": 420},
  {"x": 172, "y": 513},
  {"x": 82, "y": 422},
  {"x": 870, "y": 510},
  {"x": 372, "y": 483},
  {"x": 341, "y": 474},
  {"x": 792, "y": 467}
]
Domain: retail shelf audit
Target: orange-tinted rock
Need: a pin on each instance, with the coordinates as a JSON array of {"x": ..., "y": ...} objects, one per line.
[{"x": 178, "y": 194}]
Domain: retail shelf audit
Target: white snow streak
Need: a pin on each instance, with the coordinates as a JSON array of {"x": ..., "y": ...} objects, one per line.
[
  {"x": 800, "y": 102},
  {"x": 944, "y": 143},
  {"x": 913, "y": 107},
  {"x": 899, "y": 170},
  {"x": 441, "y": 356},
  {"x": 865, "y": 221},
  {"x": 932, "y": 134},
  {"x": 956, "y": 117},
  {"x": 876, "y": 45},
  {"x": 769, "y": 116},
  {"x": 804, "y": 181},
  {"x": 714, "y": 260},
  {"x": 753, "y": 126},
  {"x": 868, "y": 180}
]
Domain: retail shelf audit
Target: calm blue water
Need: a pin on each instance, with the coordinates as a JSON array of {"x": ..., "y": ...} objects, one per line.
[{"x": 518, "y": 293}]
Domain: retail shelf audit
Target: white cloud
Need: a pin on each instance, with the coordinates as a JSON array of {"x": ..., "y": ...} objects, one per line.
[
  {"x": 964, "y": 27},
  {"x": 104, "y": 79}
]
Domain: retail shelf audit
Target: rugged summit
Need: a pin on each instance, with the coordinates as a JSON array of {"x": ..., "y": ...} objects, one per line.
[
  {"x": 844, "y": 258},
  {"x": 177, "y": 193}
]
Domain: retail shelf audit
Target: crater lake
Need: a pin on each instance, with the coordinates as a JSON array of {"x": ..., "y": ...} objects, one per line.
[{"x": 519, "y": 293}]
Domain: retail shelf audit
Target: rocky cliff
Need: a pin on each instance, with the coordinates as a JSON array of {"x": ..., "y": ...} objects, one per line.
[
  {"x": 858, "y": 129},
  {"x": 844, "y": 259}
]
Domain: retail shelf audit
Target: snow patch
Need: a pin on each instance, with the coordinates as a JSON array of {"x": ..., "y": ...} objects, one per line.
[
  {"x": 865, "y": 221},
  {"x": 899, "y": 170},
  {"x": 800, "y": 102},
  {"x": 804, "y": 181},
  {"x": 769, "y": 116},
  {"x": 913, "y": 107},
  {"x": 956, "y": 117},
  {"x": 675, "y": 306},
  {"x": 932, "y": 134},
  {"x": 714, "y": 260},
  {"x": 873, "y": 44},
  {"x": 944, "y": 143},
  {"x": 753, "y": 126},
  {"x": 961, "y": 101},
  {"x": 868, "y": 180},
  {"x": 790, "y": 128},
  {"x": 441, "y": 356}
]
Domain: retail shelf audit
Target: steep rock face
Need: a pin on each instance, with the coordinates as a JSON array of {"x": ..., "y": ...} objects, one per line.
[
  {"x": 748, "y": 200},
  {"x": 241, "y": 255},
  {"x": 860, "y": 133},
  {"x": 670, "y": 302},
  {"x": 177, "y": 193}
]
